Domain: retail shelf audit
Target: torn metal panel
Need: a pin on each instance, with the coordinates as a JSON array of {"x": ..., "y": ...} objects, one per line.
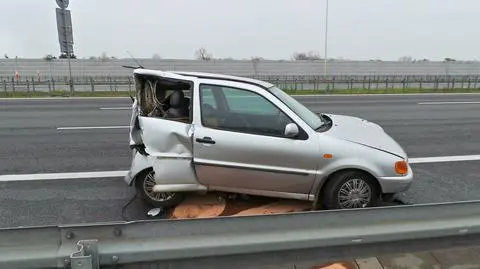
[
  {"x": 140, "y": 162},
  {"x": 170, "y": 149},
  {"x": 135, "y": 131},
  {"x": 166, "y": 138}
]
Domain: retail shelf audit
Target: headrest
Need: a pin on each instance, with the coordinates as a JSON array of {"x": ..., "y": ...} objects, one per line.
[{"x": 176, "y": 99}]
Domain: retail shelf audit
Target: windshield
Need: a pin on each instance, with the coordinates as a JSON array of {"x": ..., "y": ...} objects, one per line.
[{"x": 308, "y": 116}]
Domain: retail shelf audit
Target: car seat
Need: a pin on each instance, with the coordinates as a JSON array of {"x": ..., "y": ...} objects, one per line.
[{"x": 178, "y": 106}]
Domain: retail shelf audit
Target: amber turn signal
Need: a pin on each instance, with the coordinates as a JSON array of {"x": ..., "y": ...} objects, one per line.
[{"x": 401, "y": 167}]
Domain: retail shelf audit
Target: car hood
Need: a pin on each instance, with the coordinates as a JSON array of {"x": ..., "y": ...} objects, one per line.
[{"x": 363, "y": 132}]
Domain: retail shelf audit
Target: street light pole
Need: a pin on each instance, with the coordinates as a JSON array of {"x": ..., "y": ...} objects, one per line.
[
  {"x": 326, "y": 36},
  {"x": 64, "y": 9}
]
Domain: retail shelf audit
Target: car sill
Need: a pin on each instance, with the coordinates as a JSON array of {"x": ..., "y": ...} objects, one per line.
[
  {"x": 254, "y": 168},
  {"x": 285, "y": 195}
]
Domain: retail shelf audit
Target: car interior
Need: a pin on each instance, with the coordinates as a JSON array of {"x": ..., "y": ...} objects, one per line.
[
  {"x": 221, "y": 108},
  {"x": 248, "y": 116},
  {"x": 164, "y": 98}
]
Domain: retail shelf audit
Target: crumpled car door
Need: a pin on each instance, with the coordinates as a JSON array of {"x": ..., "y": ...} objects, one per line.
[
  {"x": 165, "y": 144},
  {"x": 169, "y": 147}
]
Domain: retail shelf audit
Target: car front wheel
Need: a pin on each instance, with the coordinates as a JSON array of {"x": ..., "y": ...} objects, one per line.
[
  {"x": 144, "y": 184},
  {"x": 350, "y": 189}
]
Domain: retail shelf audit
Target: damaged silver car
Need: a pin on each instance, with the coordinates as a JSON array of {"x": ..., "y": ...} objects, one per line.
[{"x": 199, "y": 132}]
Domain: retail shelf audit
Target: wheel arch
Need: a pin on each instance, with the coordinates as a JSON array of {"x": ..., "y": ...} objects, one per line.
[
  {"x": 141, "y": 172},
  {"x": 140, "y": 163},
  {"x": 321, "y": 187}
]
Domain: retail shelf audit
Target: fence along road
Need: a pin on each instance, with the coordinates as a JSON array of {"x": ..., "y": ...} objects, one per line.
[
  {"x": 382, "y": 84},
  {"x": 109, "y": 75}
]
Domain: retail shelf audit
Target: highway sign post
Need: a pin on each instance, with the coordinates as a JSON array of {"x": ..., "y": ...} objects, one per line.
[{"x": 65, "y": 34}]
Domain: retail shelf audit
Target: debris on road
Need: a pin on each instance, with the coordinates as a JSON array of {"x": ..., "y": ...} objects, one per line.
[
  {"x": 216, "y": 205},
  {"x": 199, "y": 206}
]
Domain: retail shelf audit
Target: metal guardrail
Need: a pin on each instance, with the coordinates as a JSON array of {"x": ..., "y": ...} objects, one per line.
[{"x": 298, "y": 240}]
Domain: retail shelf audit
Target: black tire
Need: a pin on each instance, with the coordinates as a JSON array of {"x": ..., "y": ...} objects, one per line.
[
  {"x": 330, "y": 194},
  {"x": 171, "y": 200}
]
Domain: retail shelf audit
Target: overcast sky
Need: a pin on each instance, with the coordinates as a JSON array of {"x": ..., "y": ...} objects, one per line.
[{"x": 273, "y": 29}]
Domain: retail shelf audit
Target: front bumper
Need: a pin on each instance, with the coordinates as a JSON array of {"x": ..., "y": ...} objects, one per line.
[{"x": 397, "y": 183}]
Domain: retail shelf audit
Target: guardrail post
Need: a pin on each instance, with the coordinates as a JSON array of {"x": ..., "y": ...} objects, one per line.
[
  {"x": 13, "y": 84},
  {"x": 92, "y": 84},
  {"x": 53, "y": 84},
  {"x": 386, "y": 84},
  {"x": 421, "y": 82},
  {"x": 5, "y": 86},
  {"x": 49, "y": 85},
  {"x": 86, "y": 256},
  {"x": 453, "y": 83},
  {"x": 469, "y": 82},
  {"x": 33, "y": 84},
  {"x": 328, "y": 84},
  {"x": 28, "y": 85},
  {"x": 129, "y": 85}
]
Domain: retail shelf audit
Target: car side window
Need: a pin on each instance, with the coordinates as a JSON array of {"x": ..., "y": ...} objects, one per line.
[
  {"x": 247, "y": 112},
  {"x": 208, "y": 98},
  {"x": 247, "y": 102}
]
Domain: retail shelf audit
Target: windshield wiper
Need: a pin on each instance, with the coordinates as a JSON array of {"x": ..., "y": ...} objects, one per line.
[{"x": 323, "y": 121}]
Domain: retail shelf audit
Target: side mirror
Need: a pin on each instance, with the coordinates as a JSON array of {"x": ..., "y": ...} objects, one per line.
[{"x": 291, "y": 130}]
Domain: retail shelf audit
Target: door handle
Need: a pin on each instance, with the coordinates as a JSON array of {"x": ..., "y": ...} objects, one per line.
[{"x": 205, "y": 140}]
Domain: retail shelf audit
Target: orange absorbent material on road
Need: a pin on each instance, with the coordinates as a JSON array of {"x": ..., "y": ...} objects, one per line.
[{"x": 214, "y": 205}]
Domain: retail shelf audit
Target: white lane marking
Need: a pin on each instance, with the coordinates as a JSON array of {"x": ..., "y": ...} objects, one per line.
[
  {"x": 115, "y": 108},
  {"x": 114, "y": 174},
  {"x": 53, "y": 176},
  {"x": 443, "y": 159},
  {"x": 93, "y": 127},
  {"x": 449, "y": 103}
]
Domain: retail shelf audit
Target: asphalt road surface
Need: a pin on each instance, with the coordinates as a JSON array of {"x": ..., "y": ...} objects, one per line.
[{"x": 36, "y": 136}]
